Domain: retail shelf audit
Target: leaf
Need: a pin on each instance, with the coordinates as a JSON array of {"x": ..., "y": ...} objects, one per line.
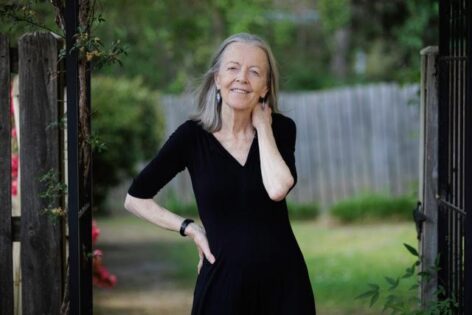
[
  {"x": 409, "y": 272},
  {"x": 414, "y": 287},
  {"x": 365, "y": 294},
  {"x": 393, "y": 282},
  {"x": 411, "y": 249},
  {"x": 374, "y": 299},
  {"x": 374, "y": 286}
]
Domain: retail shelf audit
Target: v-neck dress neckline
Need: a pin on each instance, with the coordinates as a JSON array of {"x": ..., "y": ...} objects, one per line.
[{"x": 229, "y": 155}]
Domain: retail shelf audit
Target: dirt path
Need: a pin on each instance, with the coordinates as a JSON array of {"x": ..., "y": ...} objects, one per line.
[{"x": 135, "y": 253}]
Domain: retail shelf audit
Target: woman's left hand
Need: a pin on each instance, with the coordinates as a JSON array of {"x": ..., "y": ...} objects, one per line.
[{"x": 261, "y": 115}]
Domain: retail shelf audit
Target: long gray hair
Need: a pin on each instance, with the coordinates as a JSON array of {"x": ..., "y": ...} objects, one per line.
[{"x": 208, "y": 112}]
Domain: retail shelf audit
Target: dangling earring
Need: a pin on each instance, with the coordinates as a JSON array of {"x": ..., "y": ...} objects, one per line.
[{"x": 218, "y": 97}]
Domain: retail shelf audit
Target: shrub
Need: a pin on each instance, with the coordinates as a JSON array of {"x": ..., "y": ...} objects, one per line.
[
  {"x": 411, "y": 304},
  {"x": 303, "y": 210},
  {"x": 127, "y": 127},
  {"x": 374, "y": 207}
]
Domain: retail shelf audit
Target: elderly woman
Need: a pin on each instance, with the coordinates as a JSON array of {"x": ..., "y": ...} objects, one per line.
[{"x": 239, "y": 152}]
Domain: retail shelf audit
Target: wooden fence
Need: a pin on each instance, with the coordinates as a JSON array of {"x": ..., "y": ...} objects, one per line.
[
  {"x": 41, "y": 239},
  {"x": 349, "y": 141}
]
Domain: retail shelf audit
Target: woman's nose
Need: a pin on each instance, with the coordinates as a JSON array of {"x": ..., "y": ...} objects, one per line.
[{"x": 242, "y": 76}]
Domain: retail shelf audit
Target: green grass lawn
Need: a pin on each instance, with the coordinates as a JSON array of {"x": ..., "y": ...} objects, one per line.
[{"x": 342, "y": 259}]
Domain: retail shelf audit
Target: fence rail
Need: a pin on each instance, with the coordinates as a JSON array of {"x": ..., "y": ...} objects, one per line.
[{"x": 349, "y": 141}]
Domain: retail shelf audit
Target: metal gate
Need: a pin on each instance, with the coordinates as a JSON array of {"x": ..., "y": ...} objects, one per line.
[{"x": 455, "y": 152}]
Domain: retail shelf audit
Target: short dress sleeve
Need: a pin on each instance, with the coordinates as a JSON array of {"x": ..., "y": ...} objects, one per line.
[
  {"x": 286, "y": 137},
  {"x": 171, "y": 159}
]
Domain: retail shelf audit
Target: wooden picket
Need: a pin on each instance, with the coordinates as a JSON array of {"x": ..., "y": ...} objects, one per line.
[
  {"x": 6, "y": 238},
  {"x": 42, "y": 237}
]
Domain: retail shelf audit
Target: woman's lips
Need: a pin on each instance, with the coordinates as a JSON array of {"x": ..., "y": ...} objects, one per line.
[{"x": 239, "y": 91}]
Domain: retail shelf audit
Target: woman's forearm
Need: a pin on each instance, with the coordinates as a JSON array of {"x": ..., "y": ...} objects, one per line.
[
  {"x": 149, "y": 210},
  {"x": 276, "y": 175}
]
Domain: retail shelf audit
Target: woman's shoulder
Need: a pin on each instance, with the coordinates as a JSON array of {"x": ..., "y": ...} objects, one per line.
[
  {"x": 185, "y": 131},
  {"x": 283, "y": 122},
  {"x": 187, "y": 127}
]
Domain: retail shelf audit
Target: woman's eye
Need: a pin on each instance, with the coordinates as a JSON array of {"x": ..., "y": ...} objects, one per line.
[
  {"x": 255, "y": 72},
  {"x": 231, "y": 68}
]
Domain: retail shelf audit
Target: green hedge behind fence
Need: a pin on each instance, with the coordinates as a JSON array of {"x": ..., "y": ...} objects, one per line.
[{"x": 374, "y": 207}]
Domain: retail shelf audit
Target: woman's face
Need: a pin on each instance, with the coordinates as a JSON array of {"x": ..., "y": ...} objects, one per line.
[{"x": 242, "y": 77}]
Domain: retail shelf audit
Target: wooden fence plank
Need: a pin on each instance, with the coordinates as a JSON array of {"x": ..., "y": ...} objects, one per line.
[
  {"x": 6, "y": 244},
  {"x": 41, "y": 243}
]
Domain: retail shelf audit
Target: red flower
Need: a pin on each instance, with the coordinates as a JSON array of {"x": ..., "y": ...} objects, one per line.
[
  {"x": 102, "y": 278},
  {"x": 14, "y": 187},
  {"x": 14, "y": 166},
  {"x": 95, "y": 232}
]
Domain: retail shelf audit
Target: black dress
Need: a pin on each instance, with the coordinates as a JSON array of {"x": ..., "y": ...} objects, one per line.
[{"x": 259, "y": 268}]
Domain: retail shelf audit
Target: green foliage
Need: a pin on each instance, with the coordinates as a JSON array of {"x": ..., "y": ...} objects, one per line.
[
  {"x": 54, "y": 191},
  {"x": 21, "y": 16},
  {"x": 392, "y": 36},
  {"x": 373, "y": 207},
  {"x": 34, "y": 15},
  {"x": 403, "y": 305},
  {"x": 128, "y": 122},
  {"x": 335, "y": 14},
  {"x": 170, "y": 42},
  {"x": 300, "y": 211},
  {"x": 414, "y": 34},
  {"x": 92, "y": 49}
]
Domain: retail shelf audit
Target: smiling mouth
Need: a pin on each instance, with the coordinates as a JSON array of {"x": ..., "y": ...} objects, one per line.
[{"x": 240, "y": 91}]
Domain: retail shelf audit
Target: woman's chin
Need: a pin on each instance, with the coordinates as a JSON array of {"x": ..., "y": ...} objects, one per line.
[{"x": 240, "y": 106}]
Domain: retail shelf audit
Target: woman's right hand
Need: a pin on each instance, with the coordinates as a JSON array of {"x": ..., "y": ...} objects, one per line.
[{"x": 198, "y": 234}]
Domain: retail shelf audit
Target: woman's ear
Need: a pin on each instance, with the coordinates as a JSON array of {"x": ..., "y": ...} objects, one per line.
[{"x": 266, "y": 92}]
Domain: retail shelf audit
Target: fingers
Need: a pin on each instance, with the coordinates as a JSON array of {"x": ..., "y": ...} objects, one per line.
[
  {"x": 209, "y": 256},
  {"x": 202, "y": 243},
  {"x": 203, "y": 250},
  {"x": 265, "y": 107},
  {"x": 200, "y": 261},
  {"x": 206, "y": 254}
]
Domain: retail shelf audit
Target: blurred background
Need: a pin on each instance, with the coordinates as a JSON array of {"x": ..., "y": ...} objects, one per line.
[{"x": 350, "y": 74}]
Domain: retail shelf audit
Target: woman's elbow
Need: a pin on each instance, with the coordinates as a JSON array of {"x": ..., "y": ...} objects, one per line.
[
  {"x": 281, "y": 192},
  {"x": 277, "y": 196},
  {"x": 130, "y": 203}
]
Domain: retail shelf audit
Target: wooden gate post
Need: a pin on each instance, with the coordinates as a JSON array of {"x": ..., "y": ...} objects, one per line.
[
  {"x": 41, "y": 241},
  {"x": 429, "y": 168},
  {"x": 6, "y": 242}
]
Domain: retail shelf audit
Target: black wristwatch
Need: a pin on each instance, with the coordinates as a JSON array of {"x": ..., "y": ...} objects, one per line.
[{"x": 184, "y": 226}]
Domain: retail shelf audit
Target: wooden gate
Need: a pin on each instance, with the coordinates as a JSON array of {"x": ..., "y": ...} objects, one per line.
[
  {"x": 455, "y": 152},
  {"x": 40, "y": 228},
  {"x": 446, "y": 190}
]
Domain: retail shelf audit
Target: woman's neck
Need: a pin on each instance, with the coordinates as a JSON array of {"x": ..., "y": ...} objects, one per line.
[{"x": 236, "y": 124}]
